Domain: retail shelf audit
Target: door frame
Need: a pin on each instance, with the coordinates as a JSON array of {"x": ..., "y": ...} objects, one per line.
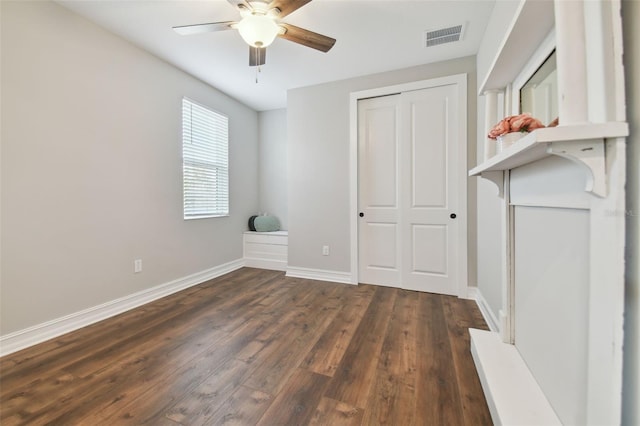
[{"x": 354, "y": 97}]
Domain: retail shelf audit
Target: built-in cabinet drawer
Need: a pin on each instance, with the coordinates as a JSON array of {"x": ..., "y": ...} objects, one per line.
[
  {"x": 266, "y": 250},
  {"x": 271, "y": 238}
]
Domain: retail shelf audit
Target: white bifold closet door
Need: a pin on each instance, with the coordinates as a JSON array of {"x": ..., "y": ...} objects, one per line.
[{"x": 408, "y": 190}]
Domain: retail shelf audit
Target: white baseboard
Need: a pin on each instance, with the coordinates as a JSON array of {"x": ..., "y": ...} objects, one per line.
[
  {"x": 319, "y": 274},
  {"x": 512, "y": 393},
  {"x": 485, "y": 310},
  {"x": 275, "y": 265},
  {"x": 22, "y": 339}
]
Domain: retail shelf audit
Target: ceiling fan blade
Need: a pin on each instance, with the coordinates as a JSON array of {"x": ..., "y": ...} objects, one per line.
[
  {"x": 307, "y": 38},
  {"x": 203, "y": 28},
  {"x": 287, "y": 6},
  {"x": 257, "y": 56}
]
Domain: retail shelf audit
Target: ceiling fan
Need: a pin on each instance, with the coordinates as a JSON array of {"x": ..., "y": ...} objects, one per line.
[{"x": 261, "y": 24}]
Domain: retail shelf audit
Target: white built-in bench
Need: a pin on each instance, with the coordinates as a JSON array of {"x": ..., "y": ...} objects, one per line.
[{"x": 266, "y": 250}]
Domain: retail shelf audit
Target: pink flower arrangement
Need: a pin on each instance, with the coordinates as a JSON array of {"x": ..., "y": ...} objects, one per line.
[{"x": 515, "y": 123}]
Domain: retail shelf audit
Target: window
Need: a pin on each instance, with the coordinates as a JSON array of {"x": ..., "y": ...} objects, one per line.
[{"x": 205, "y": 161}]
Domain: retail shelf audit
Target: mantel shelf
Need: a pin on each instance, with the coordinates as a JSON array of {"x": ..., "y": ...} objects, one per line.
[
  {"x": 535, "y": 145},
  {"x": 583, "y": 144}
]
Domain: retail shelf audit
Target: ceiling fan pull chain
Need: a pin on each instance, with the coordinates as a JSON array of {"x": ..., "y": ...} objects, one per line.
[{"x": 256, "y": 54}]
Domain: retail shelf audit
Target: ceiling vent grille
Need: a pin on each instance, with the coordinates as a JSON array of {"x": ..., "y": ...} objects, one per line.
[{"x": 443, "y": 35}]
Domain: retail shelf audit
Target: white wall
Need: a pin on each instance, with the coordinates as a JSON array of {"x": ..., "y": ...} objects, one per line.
[
  {"x": 91, "y": 168},
  {"x": 631, "y": 371},
  {"x": 272, "y": 165},
  {"x": 499, "y": 22},
  {"x": 318, "y": 158}
]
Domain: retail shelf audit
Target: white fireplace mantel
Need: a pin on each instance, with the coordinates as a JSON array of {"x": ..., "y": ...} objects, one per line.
[
  {"x": 592, "y": 134},
  {"x": 583, "y": 144}
]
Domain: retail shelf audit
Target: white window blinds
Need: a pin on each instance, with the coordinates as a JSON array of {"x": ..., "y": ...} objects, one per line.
[{"x": 205, "y": 161}]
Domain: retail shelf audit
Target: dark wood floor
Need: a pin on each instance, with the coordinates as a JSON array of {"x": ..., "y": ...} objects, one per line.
[{"x": 255, "y": 347}]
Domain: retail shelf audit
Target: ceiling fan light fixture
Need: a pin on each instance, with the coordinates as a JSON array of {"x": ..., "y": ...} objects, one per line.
[{"x": 258, "y": 30}]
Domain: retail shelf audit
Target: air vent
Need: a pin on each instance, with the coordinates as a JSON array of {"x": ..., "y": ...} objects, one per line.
[{"x": 443, "y": 35}]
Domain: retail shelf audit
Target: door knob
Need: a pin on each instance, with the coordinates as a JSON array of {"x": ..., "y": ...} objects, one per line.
[
  {"x": 452, "y": 216},
  {"x": 361, "y": 214}
]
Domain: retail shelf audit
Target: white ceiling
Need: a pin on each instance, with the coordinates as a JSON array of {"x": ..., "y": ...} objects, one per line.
[{"x": 372, "y": 36}]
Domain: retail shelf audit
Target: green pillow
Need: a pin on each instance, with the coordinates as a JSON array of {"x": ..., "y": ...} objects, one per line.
[{"x": 266, "y": 224}]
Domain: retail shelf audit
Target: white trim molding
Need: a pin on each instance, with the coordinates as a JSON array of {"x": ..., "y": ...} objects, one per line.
[
  {"x": 513, "y": 395},
  {"x": 274, "y": 265},
  {"x": 320, "y": 275},
  {"x": 39, "y": 333},
  {"x": 485, "y": 310}
]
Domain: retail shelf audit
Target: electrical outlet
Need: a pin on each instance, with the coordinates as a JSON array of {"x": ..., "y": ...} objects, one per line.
[
  {"x": 325, "y": 250},
  {"x": 137, "y": 266}
]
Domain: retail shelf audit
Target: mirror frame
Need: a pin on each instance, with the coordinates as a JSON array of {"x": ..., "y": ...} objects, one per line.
[{"x": 539, "y": 57}]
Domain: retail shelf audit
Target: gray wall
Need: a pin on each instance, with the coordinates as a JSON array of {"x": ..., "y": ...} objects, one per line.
[
  {"x": 490, "y": 257},
  {"x": 318, "y": 142},
  {"x": 489, "y": 228},
  {"x": 631, "y": 371},
  {"x": 272, "y": 165},
  {"x": 490, "y": 235},
  {"x": 92, "y": 172}
]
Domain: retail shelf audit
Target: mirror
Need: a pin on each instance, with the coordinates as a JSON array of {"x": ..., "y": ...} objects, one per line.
[{"x": 539, "y": 95}]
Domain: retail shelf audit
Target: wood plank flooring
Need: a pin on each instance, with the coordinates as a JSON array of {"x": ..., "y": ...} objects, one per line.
[{"x": 257, "y": 348}]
